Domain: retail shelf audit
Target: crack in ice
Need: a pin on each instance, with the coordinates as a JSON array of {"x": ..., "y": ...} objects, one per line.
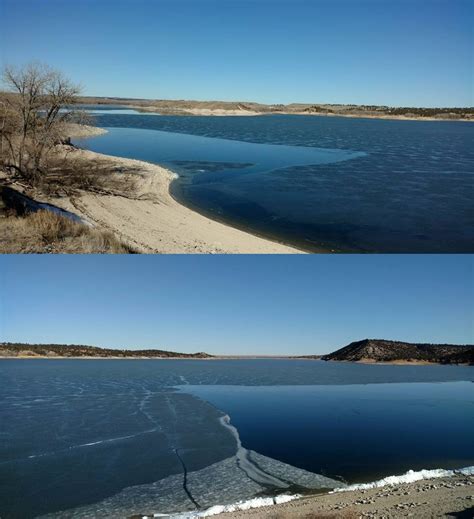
[
  {"x": 80, "y": 446},
  {"x": 185, "y": 480},
  {"x": 244, "y": 462}
]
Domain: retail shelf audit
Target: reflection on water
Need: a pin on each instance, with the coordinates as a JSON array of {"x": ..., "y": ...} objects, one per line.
[{"x": 409, "y": 187}]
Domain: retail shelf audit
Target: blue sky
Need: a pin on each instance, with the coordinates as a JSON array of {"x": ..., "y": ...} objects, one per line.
[
  {"x": 395, "y": 52},
  {"x": 236, "y": 304}
]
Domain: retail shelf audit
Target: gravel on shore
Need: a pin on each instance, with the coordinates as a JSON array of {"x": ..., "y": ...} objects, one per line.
[{"x": 443, "y": 497}]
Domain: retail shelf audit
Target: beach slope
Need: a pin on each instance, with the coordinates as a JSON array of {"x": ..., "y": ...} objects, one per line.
[
  {"x": 444, "y": 497},
  {"x": 150, "y": 220}
]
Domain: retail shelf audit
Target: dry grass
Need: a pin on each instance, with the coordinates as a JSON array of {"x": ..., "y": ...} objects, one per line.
[
  {"x": 47, "y": 232},
  {"x": 69, "y": 173},
  {"x": 51, "y": 227}
]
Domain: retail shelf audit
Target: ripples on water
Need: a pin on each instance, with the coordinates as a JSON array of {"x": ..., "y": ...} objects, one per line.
[{"x": 410, "y": 189}]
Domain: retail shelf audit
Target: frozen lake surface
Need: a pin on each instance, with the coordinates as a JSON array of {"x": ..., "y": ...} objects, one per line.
[
  {"x": 119, "y": 437},
  {"x": 337, "y": 183}
]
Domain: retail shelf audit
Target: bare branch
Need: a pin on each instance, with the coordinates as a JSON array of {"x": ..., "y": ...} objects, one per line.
[{"x": 36, "y": 108}]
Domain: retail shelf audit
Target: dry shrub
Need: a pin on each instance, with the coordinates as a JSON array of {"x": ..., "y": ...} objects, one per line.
[
  {"x": 68, "y": 173},
  {"x": 48, "y": 232},
  {"x": 102, "y": 242},
  {"x": 32, "y": 119},
  {"x": 53, "y": 227}
]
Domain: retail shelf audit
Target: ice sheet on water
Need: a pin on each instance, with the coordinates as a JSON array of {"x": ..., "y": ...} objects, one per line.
[
  {"x": 245, "y": 478},
  {"x": 410, "y": 192},
  {"x": 96, "y": 446},
  {"x": 256, "y": 502},
  {"x": 214, "y": 486},
  {"x": 98, "y": 433},
  {"x": 167, "y": 494},
  {"x": 105, "y": 110},
  {"x": 294, "y": 475}
]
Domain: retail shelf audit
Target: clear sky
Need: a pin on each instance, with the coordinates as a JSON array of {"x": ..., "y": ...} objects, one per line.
[
  {"x": 236, "y": 304},
  {"x": 394, "y": 52}
]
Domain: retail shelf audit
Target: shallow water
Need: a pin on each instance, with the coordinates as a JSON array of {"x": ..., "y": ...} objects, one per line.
[
  {"x": 391, "y": 186},
  {"x": 115, "y": 436}
]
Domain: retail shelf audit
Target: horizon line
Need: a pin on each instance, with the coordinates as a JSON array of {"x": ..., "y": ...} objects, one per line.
[
  {"x": 220, "y": 355},
  {"x": 214, "y": 100}
]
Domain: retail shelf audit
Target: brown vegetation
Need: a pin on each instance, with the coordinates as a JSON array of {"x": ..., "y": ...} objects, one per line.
[
  {"x": 34, "y": 113},
  {"x": 37, "y": 160},
  {"x": 9, "y": 349},
  {"x": 35, "y": 123},
  {"x": 68, "y": 173},
  {"x": 48, "y": 232}
]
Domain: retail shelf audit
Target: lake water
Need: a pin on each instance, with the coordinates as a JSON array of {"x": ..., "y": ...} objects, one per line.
[
  {"x": 121, "y": 437},
  {"x": 322, "y": 183}
]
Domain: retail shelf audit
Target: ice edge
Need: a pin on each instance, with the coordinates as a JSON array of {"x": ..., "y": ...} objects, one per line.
[
  {"x": 256, "y": 502},
  {"x": 409, "y": 477}
]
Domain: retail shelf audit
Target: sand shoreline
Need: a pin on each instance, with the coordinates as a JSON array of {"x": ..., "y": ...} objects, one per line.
[
  {"x": 206, "y": 112},
  {"x": 150, "y": 220},
  {"x": 435, "y": 497}
]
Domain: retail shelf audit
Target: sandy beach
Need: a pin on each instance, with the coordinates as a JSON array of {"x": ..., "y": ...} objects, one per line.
[
  {"x": 443, "y": 497},
  {"x": 217, "y": 112},
  {"x": 150, "y": 220}
]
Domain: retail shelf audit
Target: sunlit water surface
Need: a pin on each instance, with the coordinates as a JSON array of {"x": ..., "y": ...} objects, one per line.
[
  {"x": 122, "y": 437},
  {"x": 323, "y": 183}
]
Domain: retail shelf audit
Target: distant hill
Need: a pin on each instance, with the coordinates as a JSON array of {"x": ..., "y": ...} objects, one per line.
[
  {"x": 379, "y": 350},
  {"x": 8, "y": 349},
  {"x": 189, "y": 107}
]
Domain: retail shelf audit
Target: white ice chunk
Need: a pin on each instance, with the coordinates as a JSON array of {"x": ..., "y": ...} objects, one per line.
[{"x": 409, "y": 477}]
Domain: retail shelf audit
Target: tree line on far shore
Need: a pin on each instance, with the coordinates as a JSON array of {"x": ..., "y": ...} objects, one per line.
[{"x": 9, "y": 349}]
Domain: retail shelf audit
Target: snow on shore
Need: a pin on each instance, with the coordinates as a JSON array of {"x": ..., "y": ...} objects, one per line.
[
  {"x": 409, "y": 477},
  {"x": 256, "y": 502}
]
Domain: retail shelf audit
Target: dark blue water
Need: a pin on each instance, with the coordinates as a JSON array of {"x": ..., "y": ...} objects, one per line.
[
  {"x": 75, "y": 432},
  {"x": 360, "y": 432},
  {"x": 394, "y": 186}
]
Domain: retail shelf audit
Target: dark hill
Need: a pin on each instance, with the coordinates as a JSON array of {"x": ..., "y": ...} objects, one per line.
[
  {"x": 8, "y": 349},
  {"x": 379, "y": 350}
]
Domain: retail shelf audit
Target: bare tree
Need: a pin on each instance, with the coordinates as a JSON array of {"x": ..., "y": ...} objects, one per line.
[{"x": 33, "y": 119}]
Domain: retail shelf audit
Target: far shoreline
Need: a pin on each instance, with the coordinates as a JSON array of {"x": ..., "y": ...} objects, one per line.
[
  {"x": 235, "y": 357},
  {"x": 252, "y": 109}
]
